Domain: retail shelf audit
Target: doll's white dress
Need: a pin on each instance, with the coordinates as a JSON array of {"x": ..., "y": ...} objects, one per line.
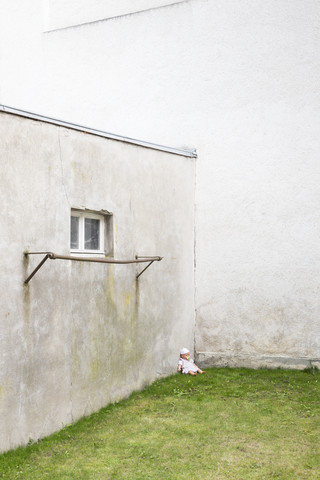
[{"x": 187, "y": 365}]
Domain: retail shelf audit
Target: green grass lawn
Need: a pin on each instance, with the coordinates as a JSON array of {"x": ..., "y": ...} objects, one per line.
[{"x": 233, "y": 424}]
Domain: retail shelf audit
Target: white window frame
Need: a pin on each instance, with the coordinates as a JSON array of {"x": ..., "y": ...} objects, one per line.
[{"x": 82, "y": 216}]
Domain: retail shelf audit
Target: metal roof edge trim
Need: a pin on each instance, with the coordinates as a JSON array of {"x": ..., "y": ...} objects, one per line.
[{"x": 100, "y": 133}]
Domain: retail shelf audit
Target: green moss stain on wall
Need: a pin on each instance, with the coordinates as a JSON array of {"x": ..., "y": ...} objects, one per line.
[
  {"x": 120, "y": 337},
  {"x": 102, "y": 332},
  {"x": 108, "y": 347}
]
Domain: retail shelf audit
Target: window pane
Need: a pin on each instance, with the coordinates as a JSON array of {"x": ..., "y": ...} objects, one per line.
[
  {"x": 91, "y": 234},
  {"x": 74, "y": 233}
]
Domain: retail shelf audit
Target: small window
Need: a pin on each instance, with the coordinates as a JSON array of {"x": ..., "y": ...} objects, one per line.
[{"x": 91, "y": 233}]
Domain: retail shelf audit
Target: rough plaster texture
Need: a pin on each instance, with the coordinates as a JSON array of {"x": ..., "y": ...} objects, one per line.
[
  {"x": 81, "y": 335},
  {"x": 239, "y": 80}
]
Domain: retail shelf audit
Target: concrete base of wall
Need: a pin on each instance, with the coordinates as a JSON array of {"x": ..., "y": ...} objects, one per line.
[{"x": 214, "y": 359}]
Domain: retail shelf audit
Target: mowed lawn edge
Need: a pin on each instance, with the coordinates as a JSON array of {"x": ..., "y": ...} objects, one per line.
[{"x": 227, "y": 424}]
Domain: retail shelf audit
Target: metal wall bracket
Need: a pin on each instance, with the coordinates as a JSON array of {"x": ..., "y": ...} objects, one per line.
[
  {"x": 152, "y": 259},
  {"x": 54, "y": 256}
]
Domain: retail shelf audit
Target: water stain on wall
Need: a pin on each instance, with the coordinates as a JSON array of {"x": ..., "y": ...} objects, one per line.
[
  {"x": 95, "y": 369},
  {"x": 26, "y": 303}
]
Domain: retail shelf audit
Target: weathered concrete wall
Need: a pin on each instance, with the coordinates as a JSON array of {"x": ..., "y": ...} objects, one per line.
[
  {"x": 238, "y": 80},
  {"x": 81, "y": 335}
]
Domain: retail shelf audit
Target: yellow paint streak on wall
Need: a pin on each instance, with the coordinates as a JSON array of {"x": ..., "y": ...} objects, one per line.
[
  {"x": 126, "y": 299},
  {"x": 94, "y": 368}
]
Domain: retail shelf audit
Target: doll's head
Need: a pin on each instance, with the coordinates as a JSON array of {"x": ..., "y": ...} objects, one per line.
[{"x": 184, "y": 353}]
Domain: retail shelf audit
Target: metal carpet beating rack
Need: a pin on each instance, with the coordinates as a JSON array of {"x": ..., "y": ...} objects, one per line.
[{"x": 54, "y": 256}]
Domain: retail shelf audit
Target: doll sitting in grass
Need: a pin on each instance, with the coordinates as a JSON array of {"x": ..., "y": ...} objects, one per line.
[{"x": 186, "y": 364}]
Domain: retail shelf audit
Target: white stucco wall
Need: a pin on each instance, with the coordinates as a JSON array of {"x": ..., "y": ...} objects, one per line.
[
  {"x": 81, "y": 335},
  {"x": 58, "y": 14},
  {"x": 238, "y": 80}
]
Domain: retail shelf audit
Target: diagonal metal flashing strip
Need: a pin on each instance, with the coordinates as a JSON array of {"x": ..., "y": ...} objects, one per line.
[
  {"x": 120, "y": 12},
  {"x": 100, "y": 133}
]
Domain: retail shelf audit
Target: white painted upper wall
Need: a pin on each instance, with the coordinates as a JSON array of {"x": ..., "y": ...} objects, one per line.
[
  {"x": 61, "y": 14},
  {"x": 238, "y": 80}
]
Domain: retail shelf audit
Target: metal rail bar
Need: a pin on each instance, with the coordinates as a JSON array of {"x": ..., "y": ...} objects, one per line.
[{"x": 54, "y": 256}]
